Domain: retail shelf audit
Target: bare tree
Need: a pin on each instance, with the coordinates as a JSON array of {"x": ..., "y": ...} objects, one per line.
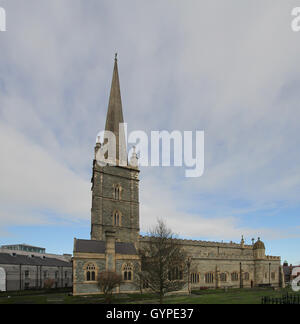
[
  {"x": 162, "y": 261},
  {"x": 108, "y": 281}
]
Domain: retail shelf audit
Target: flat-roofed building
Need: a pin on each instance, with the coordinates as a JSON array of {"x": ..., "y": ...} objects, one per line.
[{"x": 24, "y": 247}]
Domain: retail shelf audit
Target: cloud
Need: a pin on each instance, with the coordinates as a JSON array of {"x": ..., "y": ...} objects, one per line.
[
  {"x": 34, "y": 183},
  {"x": 161, "y": 202}
]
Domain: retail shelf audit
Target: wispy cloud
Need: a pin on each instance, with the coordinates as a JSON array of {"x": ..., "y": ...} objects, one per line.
[{"x": 32, "y": 180}]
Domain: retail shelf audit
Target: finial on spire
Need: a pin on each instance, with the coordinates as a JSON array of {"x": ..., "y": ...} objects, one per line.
[
  {"x": 242, "y": 241},
  {"x": 116, "y": 57},
  {"x": 134, "y": 158}
]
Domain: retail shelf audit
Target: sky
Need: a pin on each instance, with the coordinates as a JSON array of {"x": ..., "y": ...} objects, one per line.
[{"x": 228, "y": 68}]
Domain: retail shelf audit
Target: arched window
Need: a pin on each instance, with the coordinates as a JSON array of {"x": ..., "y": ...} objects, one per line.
[
  {"x": 223, "y": 277},
  {"x": 117, "y": 218},
  {"x": 127, "y": 271},
  {"x": 90, "y": 272},
  {"x": 117, "y": 192},
  {"x": 209, "y": 277},
  {"x": 175, "y": 274},
  {"x": 246, "y": 276},
  {"x": 234, "y": 276},
  {"x": 195, "y": 277}
]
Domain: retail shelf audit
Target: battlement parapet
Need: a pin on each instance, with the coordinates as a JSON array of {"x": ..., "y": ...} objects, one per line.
[
  {"x": 223, "y": 257},
  {"x": 205, "y": 243},
  {"x": 270, "y": 257}
]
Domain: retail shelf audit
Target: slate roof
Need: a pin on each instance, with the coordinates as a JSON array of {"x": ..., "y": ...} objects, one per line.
[
  {"x": 93, "y": 246},
  {"x": 6, "y": 258},
  {"x": 89, "y": 246},
  {"x": 125, "y": 248}
]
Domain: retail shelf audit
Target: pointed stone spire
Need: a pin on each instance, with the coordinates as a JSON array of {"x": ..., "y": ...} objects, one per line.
[{"x": 115, "y": 116}]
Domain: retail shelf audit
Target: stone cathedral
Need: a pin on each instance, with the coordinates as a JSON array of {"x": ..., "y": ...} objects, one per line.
[{"x": 115, "y": 232}]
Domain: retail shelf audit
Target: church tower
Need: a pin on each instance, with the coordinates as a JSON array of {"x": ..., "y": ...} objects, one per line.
[{"x": 115, "y": 189}]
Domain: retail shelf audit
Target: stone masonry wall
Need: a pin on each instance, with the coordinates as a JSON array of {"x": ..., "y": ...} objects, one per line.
[{"x": 104, "y": 204}]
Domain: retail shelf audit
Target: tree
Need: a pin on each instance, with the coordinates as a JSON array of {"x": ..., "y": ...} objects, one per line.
[
  {"x": 108, "y": 281},
  {"x": 162, "y": 261}
]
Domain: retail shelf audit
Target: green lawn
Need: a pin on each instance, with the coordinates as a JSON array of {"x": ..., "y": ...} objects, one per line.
[{"x": 234, "y": 296}]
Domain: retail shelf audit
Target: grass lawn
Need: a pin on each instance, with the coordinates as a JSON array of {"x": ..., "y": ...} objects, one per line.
[{"x": 234, "y": 296}]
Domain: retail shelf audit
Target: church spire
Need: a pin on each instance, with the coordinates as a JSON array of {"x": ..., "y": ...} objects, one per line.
[{"x": 115, "y": 117}]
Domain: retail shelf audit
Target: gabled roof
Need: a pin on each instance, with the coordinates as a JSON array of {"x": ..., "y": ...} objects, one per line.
[
  {"x": 89, "y": 246},
  {"x": 93, "y": 246},
  {"x": 125, "y": 248},
  {"x": 17, "y": 259}
]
